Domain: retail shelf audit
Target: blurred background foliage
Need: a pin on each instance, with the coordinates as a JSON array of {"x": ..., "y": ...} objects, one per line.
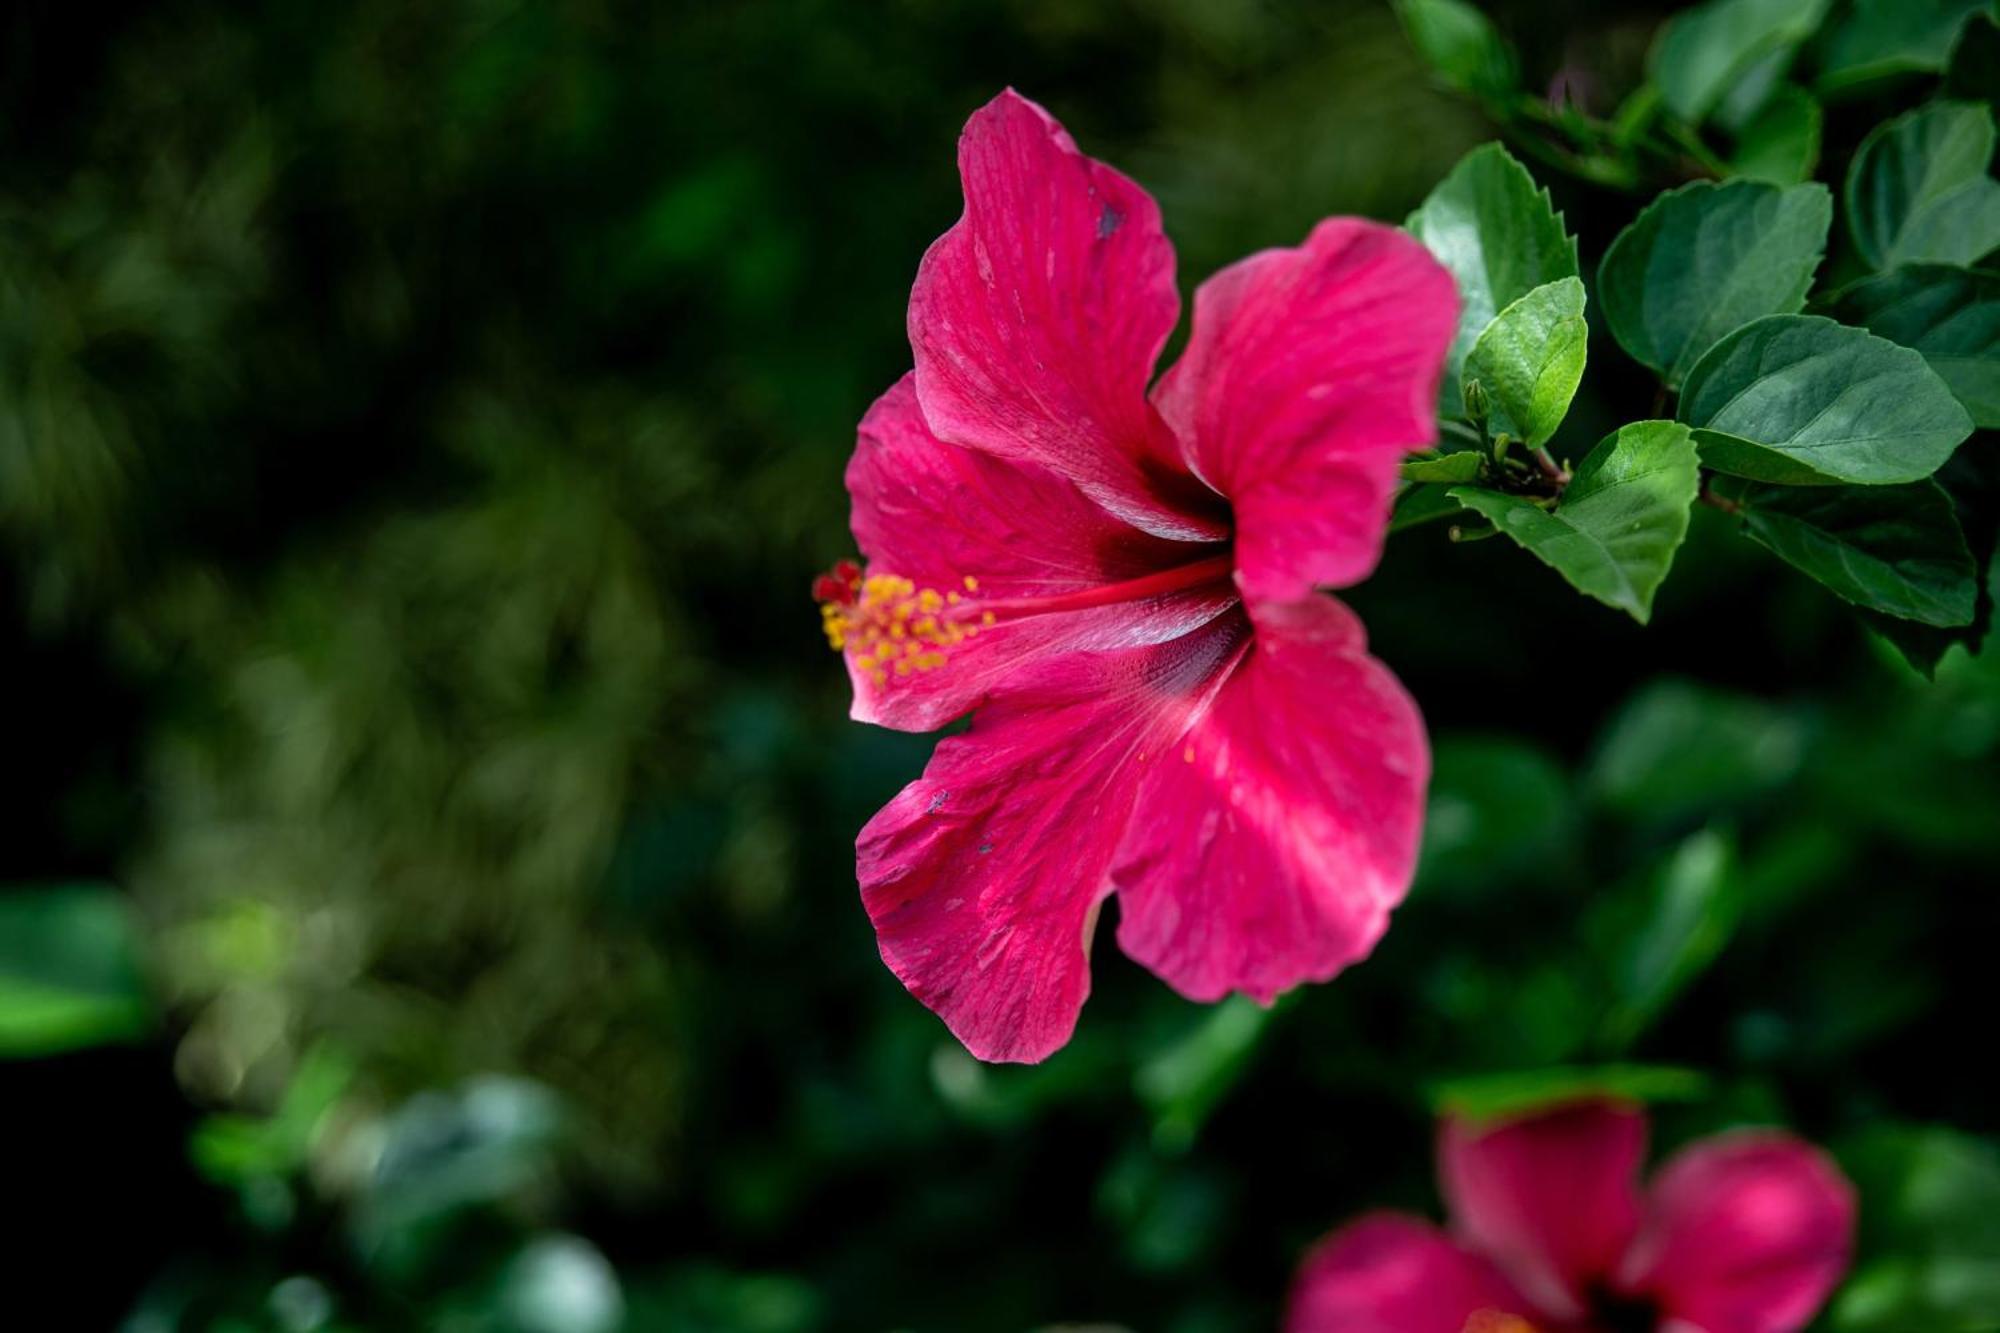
[{"x": 430, "y": 897}]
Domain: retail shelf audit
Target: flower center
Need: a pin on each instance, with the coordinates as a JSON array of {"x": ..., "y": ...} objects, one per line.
[
  {"x": 1623, "y": 1314},
  {"x": 893, "y": 626},
  {"x": 896, "y": 628}
]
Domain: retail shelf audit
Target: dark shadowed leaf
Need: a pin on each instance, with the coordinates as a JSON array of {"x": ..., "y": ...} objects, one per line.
[
  {"x": 1705, "y": 51},
  {"x": 1974, "y": 72},
  {"x": 1929, "y": 1228},
  {"x": 1703, "y": 260},
  {"x": 1664, "y": 937},
  {"x": 1417, "y": 504},
  {"x": 1801, "y": 400},
  {"x": 1918, "y": 189},
  {"x": 1893, "y": 549},
  {"x": 1880, "y": 38},
  {"x": 1780, "y": 144},
  {"x": 1972, "y": 480},
  {"x": 1495, "y": 229},
  {"x": 69, "y": 975},
  {"x": 1498, "y": 809},
  {"x": 1951, "y": 315},
  {"x": 1461, "y": 44},
  {"x": 1678, "y": 751},
  {"x": 1614, "y": 533}
]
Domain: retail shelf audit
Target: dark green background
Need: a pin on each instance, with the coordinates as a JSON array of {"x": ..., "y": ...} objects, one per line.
[{"x": 419, "y": 425}]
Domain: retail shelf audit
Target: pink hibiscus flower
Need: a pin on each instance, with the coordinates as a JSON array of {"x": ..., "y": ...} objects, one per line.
[
  {"x": 1746, "y": 1232},
  {"x": 1121, "y": 583}
]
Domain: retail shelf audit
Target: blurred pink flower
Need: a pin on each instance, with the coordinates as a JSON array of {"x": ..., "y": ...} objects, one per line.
[
  {"x": 1745, "y": 1232},
  {"x": 1121, "y": 583}
]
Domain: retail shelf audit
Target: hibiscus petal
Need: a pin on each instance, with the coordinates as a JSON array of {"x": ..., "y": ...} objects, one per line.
[
  {"x": 936, "y": 514},
  {"x": 984, "y": 877},
  {"x": 1036, "y": 320},
  {"x": 1386, "y": 1273},
  {"x": 1552, "y": 1198},
  {"x": 1271, "y": 842},
  {"x": 1309, "y": 374},
  {"x": 1745, "y": 1233}
]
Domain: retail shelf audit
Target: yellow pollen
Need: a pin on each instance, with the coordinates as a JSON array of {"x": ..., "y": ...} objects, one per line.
[
  {"x": 1187, "y": 754},
  {"x": 892, "y": 627},
  {"x": 1493, "y": 1321}
]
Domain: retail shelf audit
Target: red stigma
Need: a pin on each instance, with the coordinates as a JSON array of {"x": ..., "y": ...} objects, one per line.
[{"x": 838, "y": 585}]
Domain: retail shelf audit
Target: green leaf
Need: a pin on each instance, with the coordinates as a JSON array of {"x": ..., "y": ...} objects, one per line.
[
  {"x": 1614, "y": 533},
  {"x": 1881, "y": 38},
  {"x": 1488, "y": 1097},
  {"x": 1684, "y": 919},
  {"x": 1679, "y": 751},
  {"x": 1893, "y": 549},
  {"x": 1801, "y": 400},
  {"x": 1951, "y": 315},
  {"x": 1705, "y": 51},
  {"x": 1929, "y": 1228},
  {"x": 1495, "y": 229},
  {"x": 1461, "y": 44},
  {"x": 1972, "y": 481},
  {"x": 1781, "y": 143},
  {"x": 1416, "y": 504},
  {"x": 1499, "y": 810},
  {"x": 1530, "y": 360},
  {"x": 1185, "y": 1081},
  {"x": 1450, "y": 469},
  {"x": 69, "y": 972},
  {"x": 1918, "y": 192},
  {"x": 1706, "y": 259},
  {"x": 1974, "y": 72}
]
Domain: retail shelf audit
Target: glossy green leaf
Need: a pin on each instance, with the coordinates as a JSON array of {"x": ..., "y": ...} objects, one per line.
[
  {"x": 1929, "y": 1230},
  {"x": 1485, "y": 1097},
  {"x": 1624, "y": 513},
  {"x": 1447, "y": 469},
  {"x": 1418, "y": 504},
  {"x": 1893, "y": 549},
  {"x": 1705, "y": 51},
  {"x": 1918, "y": 189},
  {"x": 1495, "y": 229},
  {"x": 1879, "y": 38},
  {"x": 1780, "y": 144},
  {"x": 1801, "y": 400},
  {"x": 1530, "y": 360},
  {"x": 1706, "y": 259},
  {"x": 1951, "y": 315},
  {"x": 1461, "y": 44},
  {"x": 69, "y": 975}
]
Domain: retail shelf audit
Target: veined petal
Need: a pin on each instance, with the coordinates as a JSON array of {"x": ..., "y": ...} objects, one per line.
[
  {"x": 1551, "y": 1198},
  {"x": 984, "y": 877},
  {"x": 1744, "y": 1233},
  {"x": 983, "y": 532},
  {"x": 1309, "y": 374},
  {"x": 1036, "y": 320},
  {"x": 1387, "y": 1273},
  {"x": 1272, "y": 840}
]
